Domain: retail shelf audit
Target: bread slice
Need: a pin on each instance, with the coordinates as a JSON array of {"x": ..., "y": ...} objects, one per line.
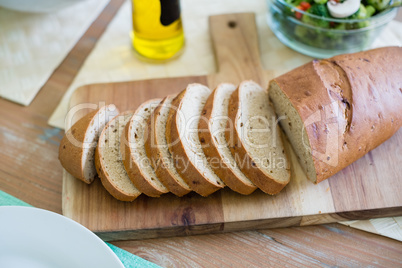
[
  {"x": 135, "y": 159},
  {"x": 336, "y": 110},
  {"x": 184, "y": 144},
  {"x": 157, "y": 150},
  {"x": 108, "y": 161},
  {"x": 294, "y": 129},
  {"x": 212, "y": 137},
  {"x": 255, "y": 139},
  {"x": 77, "y": 148}
]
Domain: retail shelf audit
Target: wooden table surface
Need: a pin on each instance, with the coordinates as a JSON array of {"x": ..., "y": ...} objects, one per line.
[{"x": 30, "y": 170}]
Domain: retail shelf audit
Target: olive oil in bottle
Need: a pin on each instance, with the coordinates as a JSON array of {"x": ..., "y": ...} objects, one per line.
[{"x": 157, "y": 28}]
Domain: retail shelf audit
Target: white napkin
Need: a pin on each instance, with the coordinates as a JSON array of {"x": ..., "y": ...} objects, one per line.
[
  {"x": 113, "y": 60},
  {"x": 32, "y": 45},
  {"x": 389, "y": 227}
]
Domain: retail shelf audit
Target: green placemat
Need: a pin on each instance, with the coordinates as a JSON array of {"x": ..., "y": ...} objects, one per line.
[
  {"x": 9, "y": 200},
  {"x": 129, "y": 260}
]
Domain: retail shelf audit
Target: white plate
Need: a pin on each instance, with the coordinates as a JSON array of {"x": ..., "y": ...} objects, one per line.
[
  {"x": 37, "y": 6},
  {"x": 32, "y": 237}
]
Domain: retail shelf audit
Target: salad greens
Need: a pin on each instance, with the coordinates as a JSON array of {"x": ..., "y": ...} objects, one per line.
[
  {"x": 325, "y": 34},
  {"x": 378, "y": 4},
  {"x": 368, "y": 8}
]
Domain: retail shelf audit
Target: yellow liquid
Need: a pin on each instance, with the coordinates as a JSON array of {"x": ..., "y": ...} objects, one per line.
[{"x": 151, "y": 39}]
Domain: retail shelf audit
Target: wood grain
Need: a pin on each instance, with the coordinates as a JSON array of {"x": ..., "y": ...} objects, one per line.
[
  {"x": 350, "y": 194},
  {"x": 235, "y": 42},
  {"x": 331, "y": 245}
]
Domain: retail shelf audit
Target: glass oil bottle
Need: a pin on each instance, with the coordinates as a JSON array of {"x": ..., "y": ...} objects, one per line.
[{"x": 157, "y": 28}]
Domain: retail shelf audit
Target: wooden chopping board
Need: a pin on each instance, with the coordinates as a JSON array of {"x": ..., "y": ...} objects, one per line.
[{"x": 369, "y": 188}]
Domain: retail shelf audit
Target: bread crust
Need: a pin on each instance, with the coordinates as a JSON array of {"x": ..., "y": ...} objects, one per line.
[
  {"x": 190, "y": 174},
  {"x": 223, "y": 171},
  {"x": 368, "y": 96},
  {"x": 133, "y": 170},
  {"x": 265, "y": 182},
  {"x": 154, "y": 154},
  {"x": 104, "y": 177},
  {"x": 70, "y": 155}
]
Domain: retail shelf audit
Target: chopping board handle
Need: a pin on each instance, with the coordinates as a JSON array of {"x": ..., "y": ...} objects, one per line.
[{"x": 235, "y": 43}]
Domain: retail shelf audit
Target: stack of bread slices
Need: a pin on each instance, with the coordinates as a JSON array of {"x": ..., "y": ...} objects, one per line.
[
  {"x": 198, "y": 140},
  {"x": 332, "y": 111}
]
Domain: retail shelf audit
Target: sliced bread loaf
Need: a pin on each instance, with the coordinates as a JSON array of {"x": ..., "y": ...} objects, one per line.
[
  {"x": 77, "y": 148},
  {"x": 132, "y": 146},
  {"x": 212, "y": 137},
  {"x": 184, "y": 143},
  {"x": 336, "y": 110},
  {"x": 108, "y": 161},
  {"x": 157, "y": 150},
  {"x": 255, "y": 140}
]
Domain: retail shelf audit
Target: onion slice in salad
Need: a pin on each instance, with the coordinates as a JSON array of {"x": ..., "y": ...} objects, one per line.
[{"x": 344, "y": 9}]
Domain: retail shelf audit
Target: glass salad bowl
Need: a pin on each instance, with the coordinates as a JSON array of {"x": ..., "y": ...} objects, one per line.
[{"x": 324, "y": 36}]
